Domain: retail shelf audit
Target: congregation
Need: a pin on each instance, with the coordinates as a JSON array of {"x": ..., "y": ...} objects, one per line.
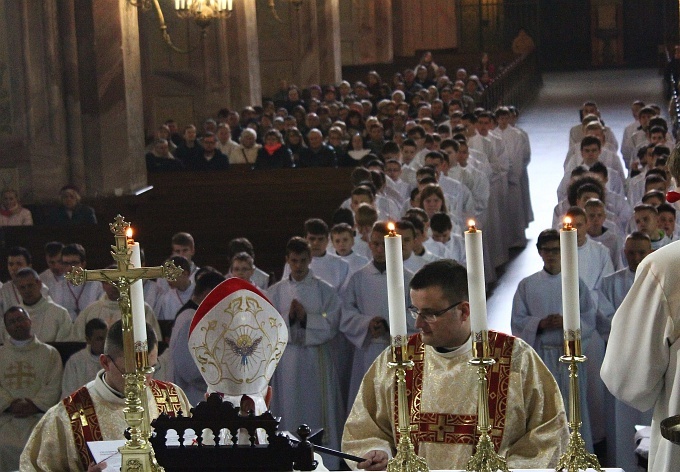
[{"x": 426, "y": 156}]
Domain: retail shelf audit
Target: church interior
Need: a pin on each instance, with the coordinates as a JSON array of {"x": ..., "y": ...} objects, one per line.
[{"x": 85, "y": 86}]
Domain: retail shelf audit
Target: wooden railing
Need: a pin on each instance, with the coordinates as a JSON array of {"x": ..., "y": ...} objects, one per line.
[{"x": 517, "y": 84}]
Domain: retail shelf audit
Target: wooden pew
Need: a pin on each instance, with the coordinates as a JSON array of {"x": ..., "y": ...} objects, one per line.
[{"x": 267, "y": 207}]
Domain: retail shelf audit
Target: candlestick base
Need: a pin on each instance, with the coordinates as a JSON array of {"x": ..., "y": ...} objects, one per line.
[
  {"x": 577, "y": 458},
  {"x": 485, "y": 458},
  {"x": 406, "y": 459}
]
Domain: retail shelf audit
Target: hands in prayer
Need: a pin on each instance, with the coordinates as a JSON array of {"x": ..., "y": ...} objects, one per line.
[
  {"x": 550, "y": 322},
  {"x": 377, "y": 327},
  {"x": 375, "y": 460},
  {"x": 297, "y": 312},
  {"x": 22, "y": 408}
]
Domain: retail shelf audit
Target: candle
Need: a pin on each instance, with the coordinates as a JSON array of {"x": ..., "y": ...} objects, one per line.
[
  {"x": 395, "y": 283},
  {"x": 475, "y": 272},
  {"x": 570, "y": 295},
  {"x": 177, "y": 6},
  {"x": 137, "y": 297}
]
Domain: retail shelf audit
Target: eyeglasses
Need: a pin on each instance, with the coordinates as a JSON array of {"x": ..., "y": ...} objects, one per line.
[
  {"x": 550, "y": 250},
  {"x": 430, "y": 316}
]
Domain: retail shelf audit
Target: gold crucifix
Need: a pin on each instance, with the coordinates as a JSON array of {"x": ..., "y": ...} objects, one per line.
[
  {"x": 137, "y": 448},
  {"x": 122, "y": 277}
]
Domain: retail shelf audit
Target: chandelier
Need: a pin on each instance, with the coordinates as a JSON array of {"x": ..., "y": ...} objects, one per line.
[{"x": 202, "y": 12}]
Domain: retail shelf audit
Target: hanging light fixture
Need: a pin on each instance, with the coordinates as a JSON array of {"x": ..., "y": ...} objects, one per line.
[{"x": 203, "y": 12}]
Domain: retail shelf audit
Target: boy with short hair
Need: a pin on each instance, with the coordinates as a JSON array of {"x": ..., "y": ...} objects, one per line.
[
  {"x": 259, "y": 278},
  {"x": 597, "y": 231},
  {"x": 667, "y": 220},
  {"x": 180, "y": 291},
  {"x": 55, "y": 271},
  {"x": 647, "y": 221},
  {"x": 75, "y": 298},
  {"x": 342, "y": 238},
  {"x": 366, "y": 216},
  {"x": 442, "y": 227}
]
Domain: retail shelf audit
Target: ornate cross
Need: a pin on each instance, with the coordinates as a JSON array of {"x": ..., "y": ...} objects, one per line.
[
  {"x": 137, "y": 449},
  {"x": 20, "y": 371},
  {"x": 124, "y": 275}
]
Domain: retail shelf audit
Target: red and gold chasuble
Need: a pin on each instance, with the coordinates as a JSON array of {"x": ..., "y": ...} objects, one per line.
[
  {"x": 451, "y": 428},
  {"x": 85, "y": 424}
]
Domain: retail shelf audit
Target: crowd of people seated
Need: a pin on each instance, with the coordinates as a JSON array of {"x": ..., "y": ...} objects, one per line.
[{"x": 338, "y": 115}]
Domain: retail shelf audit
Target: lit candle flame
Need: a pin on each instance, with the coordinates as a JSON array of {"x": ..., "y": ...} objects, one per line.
[
  {"x": 567, "y": 224},
  {"x": 128, "y": 234},
  {"x": 392, "y": 229},
  {"x": 471, "y": 226}
]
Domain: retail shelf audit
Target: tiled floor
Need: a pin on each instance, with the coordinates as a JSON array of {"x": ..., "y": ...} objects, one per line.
[{"x": 548, "y": 121}]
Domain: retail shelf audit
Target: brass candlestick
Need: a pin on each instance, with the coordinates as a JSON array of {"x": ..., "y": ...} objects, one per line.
[
  {"x": 485, "y": 458},
  {"x": 406, "y": 459},
  {"x": 576, "y": 457},
  {"x": 137, "y": 452}
]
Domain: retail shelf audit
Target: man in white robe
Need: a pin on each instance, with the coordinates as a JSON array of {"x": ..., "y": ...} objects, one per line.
[
  {"x": 50, "y": 322},
  {"x": 305, "y": 383},
  {"x": 518, "y": 156},
  {"x": 364, "y": 309},
  {"x": 613, "y": 290},
  {"x": 328, "y": 267},
  {"x": 17, "y": 258},
  {"x": 83, "y": 365},
  {"x": 537, "y": 319},
  {"x": 55, "y": 270},
  {"x": 473, "y": 179},
  {"x": 30, "y": 381},
  {"x": 640, "y": 366},
  {"x": 75, "y": 298},
  {"x": 530, "y": 423},
  {"x": 184, "y": 371},
  {"x": 641, "y": 363},
  {"x": 343, "y": 242},
  {"x": 107, "y": 309},
  {"x": 179, "y": 293}
]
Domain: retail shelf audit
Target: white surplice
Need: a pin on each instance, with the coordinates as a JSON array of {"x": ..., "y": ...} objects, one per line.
[{"x": 641, "y": 366}]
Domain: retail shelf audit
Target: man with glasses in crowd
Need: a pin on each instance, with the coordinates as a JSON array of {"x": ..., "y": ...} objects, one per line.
[{"x": 529, "y": 425}]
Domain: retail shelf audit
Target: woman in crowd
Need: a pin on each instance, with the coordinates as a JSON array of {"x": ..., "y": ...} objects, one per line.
[
  {"x": 295, "y": 143},
  {"x": 356, "y": 151},
  {"x": 11, "y": 211},
  {"x": 274, "y": 154},
  {"x": 431, "y": 199}
]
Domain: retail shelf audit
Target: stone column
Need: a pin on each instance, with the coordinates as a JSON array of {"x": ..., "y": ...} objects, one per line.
[
  {"x": 110, "y": 92},
  {"x": 304, "y": 48},
  {"x": 367, "y": 30},
  {"x": 33, "y": 147},
  {"x": 240, "y": 55}
]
